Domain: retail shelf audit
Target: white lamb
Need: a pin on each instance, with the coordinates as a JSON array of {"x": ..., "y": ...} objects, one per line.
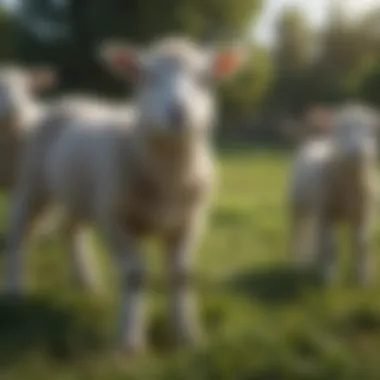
[
  {"x": 150, "y": 173},
  {"x": 334, "y": 179}
]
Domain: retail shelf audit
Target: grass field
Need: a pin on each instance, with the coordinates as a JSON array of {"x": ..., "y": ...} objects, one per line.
[{"x": 262, "y": 320}]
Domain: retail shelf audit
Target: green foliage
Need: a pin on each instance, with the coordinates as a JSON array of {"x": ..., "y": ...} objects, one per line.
[
  {"x": 144, "y": 20},
  {"x": 6, "y": 36},
  {"x": 91, "y": 22},
  {"x": 369, "y": 89},
  {"x": 292, "y": 56},
  {"x": 331, "y": 65},
  {"x": 247, "y": 92}
]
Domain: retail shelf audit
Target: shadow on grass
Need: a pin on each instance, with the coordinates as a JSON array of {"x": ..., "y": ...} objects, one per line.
[
  {"x": 34, "y": 325},
  {"x": 274, "y": 285}
]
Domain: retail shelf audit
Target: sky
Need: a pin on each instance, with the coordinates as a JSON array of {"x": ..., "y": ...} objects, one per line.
[{"x": 315, "y": 10}]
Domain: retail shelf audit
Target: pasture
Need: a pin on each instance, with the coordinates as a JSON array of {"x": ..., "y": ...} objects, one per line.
[{"x": 262, "y": 320}]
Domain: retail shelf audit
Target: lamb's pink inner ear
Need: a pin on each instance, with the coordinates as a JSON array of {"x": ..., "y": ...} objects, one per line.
[
  {"x": 124, "y": 61},
  {"x": 226, "y": 63}
]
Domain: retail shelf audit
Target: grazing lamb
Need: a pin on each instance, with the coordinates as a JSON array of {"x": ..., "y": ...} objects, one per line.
[
  {"x": 334, "y": 179},
  {"x": 19, "y": 111},
  {"x": 150, "y": 173}
]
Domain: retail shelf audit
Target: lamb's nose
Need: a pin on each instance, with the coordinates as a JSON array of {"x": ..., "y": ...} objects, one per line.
[{"x": 177, "y": 116}]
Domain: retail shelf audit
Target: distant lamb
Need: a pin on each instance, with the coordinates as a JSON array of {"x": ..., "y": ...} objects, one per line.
[
  {"x": 334, "y": 179},
  {"x": 148, "y": 173},
  {"x": 19, "y": 112}
]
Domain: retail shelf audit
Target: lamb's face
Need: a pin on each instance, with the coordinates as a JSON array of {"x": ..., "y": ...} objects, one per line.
[
  {"x": 356, "y": 133},
  {"x": 175, "y": 93},
  {"x": 175, "y": 82},
  {"x": 17, "y": 87}
]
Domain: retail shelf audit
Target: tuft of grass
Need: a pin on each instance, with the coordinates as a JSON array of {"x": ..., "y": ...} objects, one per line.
[{"x": 263, "y": 320}]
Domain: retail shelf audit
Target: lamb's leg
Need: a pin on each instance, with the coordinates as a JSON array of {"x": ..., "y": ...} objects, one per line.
[
  {"x": 25, "y": 206},
  {"x": 326, "y": 252},
  {"x": 131, "y": 324},
  {"x": 182, "y": 304},
  {"x": 128, "y": 261},
  {"x": 361, "y": 233},
  {"x": 302, "y": 234},
  {"x": 84, "y": 268}
]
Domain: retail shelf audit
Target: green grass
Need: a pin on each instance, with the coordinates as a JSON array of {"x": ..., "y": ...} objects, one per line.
[{"x": 262, "y": 320}]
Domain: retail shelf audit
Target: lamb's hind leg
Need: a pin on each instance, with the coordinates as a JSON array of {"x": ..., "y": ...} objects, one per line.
[
  {"x": 326, "y": 262},
  {"x": 25, "y": 207},
  {"x": 84, "y": 269},
  {"x": 361, "y": 234},
  {"x": 302, "y": 236}
]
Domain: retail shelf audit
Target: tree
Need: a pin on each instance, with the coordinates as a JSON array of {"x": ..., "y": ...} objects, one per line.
[
  {"x": 348, "y": 53},
  {"x": 369, "y": 89},
  {"x": 140, "y": 21},
  {"x": 6, "y": 36},
  {"x": 144, "y": 20},
  {"x": 248, "y": 92},
  {"x": 292, "y": 58}
]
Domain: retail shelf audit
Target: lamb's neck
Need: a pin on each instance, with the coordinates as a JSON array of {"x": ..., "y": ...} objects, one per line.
[{"x": 175, "y": 161}]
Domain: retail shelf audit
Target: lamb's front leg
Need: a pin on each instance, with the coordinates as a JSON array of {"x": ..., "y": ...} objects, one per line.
[
  {"x": 131, "y": 328},
  {"x": 183, "y": 316},
  {"x": 303, "y": 239},
  {"x": 326, "y": 259},
  {"x": 25, "y": 206},
  {"x": 14, "y": 249},
  {"x": 84, "y": 268}
]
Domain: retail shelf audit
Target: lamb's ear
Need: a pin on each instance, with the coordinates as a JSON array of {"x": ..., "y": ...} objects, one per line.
[
  {"x": 227, "y": 62},
  {"x": 42, "y": 78},
  {"x": 319, "y": 119},
  {"x": 121, "y": 58}
]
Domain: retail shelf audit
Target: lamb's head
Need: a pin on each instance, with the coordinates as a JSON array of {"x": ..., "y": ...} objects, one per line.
[
  {"x": 18, "y": 86},
  {"x": 174, "y": 81},
  {"x": 315, "y": 123},
  {"x": 356, "y": 131}
]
